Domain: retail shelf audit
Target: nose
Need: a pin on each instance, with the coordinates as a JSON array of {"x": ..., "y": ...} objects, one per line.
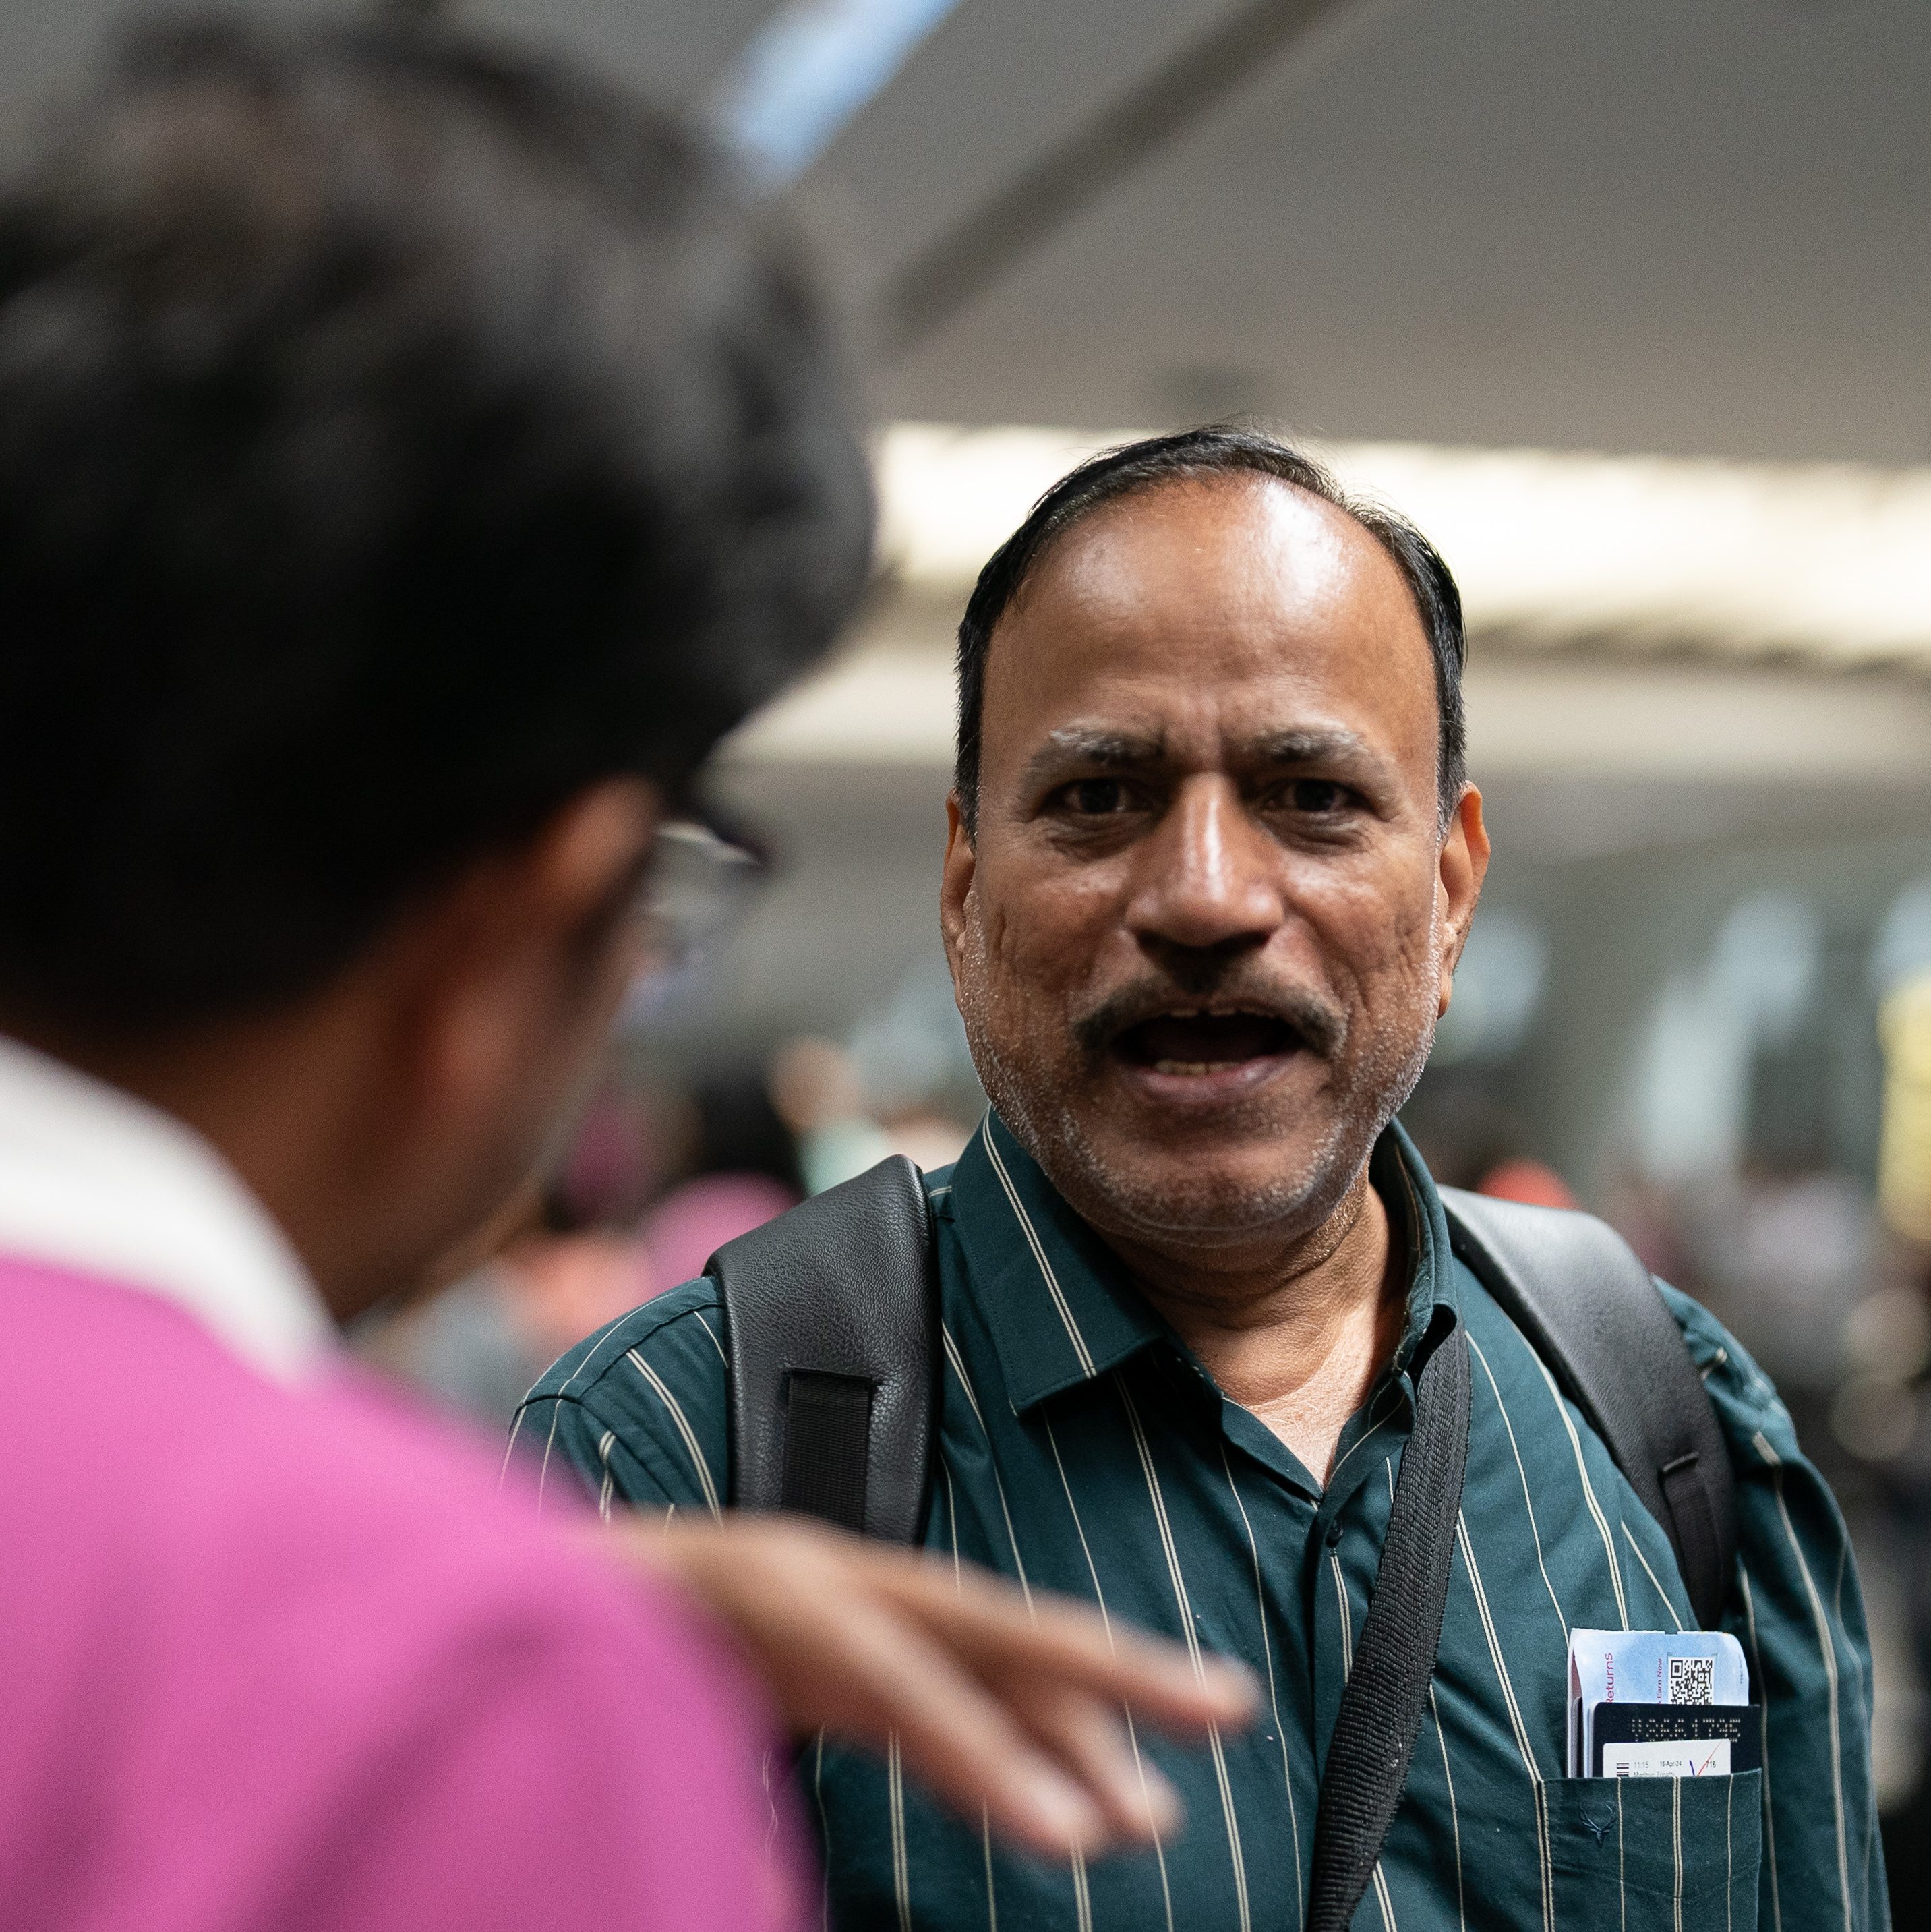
[{"x": 1209, "y": 878}]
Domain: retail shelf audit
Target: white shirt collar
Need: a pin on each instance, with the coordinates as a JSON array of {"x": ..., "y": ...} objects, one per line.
[{"x": 94, "y": 1180}]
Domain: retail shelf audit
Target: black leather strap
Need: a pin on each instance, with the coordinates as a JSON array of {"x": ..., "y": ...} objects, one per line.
[
  {"x": 830, "y": 1328},
  {"x": 1374, "y": 1738},
  {"x": 1587, "y": 1304},
  {"x": 827, "y": 1447}
]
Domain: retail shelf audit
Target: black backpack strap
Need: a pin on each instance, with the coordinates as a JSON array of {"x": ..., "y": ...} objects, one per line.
[
  {"x": 1577, "y": 1290},
  {"x": 830, "y": 1330},
  {"x": 1375, "y": 1731}
]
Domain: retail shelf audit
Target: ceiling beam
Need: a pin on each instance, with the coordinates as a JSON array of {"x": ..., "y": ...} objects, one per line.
[{"x": 986, "y": 245}]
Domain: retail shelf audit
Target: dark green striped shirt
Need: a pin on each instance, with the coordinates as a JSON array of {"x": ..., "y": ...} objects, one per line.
[{"x": 1081, "y": 1448}]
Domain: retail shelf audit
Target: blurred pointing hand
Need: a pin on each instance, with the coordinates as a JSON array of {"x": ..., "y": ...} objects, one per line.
[{"x": 996, "y": 1703}]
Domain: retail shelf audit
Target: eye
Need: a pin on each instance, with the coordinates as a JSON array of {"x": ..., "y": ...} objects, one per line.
[
  {"x": 1318, "y": 798},
  {"x": 1097, "y": 798}
]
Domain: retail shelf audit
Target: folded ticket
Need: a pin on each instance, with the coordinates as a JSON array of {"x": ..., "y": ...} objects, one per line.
[
  {"x": 1651, "y": 1667},
  {"x": 1675, "y": 1740}
]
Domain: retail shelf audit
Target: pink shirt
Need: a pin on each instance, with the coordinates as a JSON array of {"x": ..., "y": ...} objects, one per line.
[
  {"x": 281, "y": 1658},
  {"x": 275, "y": 1653}
]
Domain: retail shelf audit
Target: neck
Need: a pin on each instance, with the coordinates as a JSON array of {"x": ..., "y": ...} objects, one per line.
[{"x": 1297, "y": 1335}]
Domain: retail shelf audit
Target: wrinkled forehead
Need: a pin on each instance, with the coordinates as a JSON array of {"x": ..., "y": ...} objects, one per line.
[{"x": 1214, "y": 609}]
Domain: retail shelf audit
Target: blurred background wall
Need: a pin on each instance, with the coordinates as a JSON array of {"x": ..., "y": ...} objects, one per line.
[{"x": 1625, "y": 301}]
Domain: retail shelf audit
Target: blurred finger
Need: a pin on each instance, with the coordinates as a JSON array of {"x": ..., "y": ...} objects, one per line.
[
  {"x": 992, "y": 1627},
  {"x": 966, "y": 1744},
  {"x": 1089, "y": 1737}
]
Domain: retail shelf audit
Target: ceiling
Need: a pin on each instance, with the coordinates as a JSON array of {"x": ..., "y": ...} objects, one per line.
[
  {"x": 1687, "y": 227},
  {"x": 1672, "y": 227},
  {"x": 1690, "y": 226}
]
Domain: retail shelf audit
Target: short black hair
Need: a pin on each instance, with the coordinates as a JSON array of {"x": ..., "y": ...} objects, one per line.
[
  {"x": 398, "y": 437},
  {"x": 1216, "y": 450}
]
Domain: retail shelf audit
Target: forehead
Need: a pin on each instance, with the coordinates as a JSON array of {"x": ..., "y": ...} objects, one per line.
[{"x": 1212, "y": 607}]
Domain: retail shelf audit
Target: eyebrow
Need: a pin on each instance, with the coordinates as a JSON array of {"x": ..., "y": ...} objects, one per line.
[{"x": 1125, "y": 751}]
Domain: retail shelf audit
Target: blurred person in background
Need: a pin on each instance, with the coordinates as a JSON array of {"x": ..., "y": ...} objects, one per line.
[
  {"x": 742, "y": 1172},
  {"x": 844, "y": 1124},
  {"x": 1214, "y": 857},
  {"x": 562, "y": 1259},
  {"x": 815, "y": 1088},
  {"x": 1467, "y": 1139},
  {"x": 411, "y": 460},
  {"x": 547, "y": 1282}
]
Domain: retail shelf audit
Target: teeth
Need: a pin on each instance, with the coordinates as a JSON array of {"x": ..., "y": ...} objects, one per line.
[{"x": 1190, "y": 1066}]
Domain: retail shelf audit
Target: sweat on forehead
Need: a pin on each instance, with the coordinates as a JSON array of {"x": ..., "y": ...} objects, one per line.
[{"x": 1213, "y": 455}]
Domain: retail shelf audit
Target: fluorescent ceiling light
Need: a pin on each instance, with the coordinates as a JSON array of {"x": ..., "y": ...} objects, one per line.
[
  {"x": 1829, "y": 562},
  {"x": 1611, "y": 561},
  {"x": 810, "y": 70}
]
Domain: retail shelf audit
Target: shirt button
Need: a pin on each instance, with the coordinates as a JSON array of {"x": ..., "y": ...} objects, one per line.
[{"x": 1334, "y": 1532}]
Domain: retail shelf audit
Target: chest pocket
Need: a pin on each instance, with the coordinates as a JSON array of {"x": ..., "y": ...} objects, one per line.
[{"x": 1675, "y": 1854}]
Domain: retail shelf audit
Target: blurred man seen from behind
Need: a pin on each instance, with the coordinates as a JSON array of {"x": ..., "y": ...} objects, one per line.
[{"x": 411, "y": 461}]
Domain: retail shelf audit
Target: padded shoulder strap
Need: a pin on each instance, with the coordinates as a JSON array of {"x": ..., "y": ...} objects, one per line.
[
  {"x": 830, "y": 1317},
  {"x": 1579, "y": 1293},
  {"x": 1374, "y": 1739}
]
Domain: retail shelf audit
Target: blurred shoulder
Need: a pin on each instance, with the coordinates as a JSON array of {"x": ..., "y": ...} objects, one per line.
[
  {"x": 402, "y": 1611},
  {"x": 640, "y": 1412},
  {"x": 682, "y": 1329},
  {"x": 1747, "y": 1405}
]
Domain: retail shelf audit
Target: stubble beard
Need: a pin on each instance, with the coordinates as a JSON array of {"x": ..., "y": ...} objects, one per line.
[{"x": 1039, "y": 1104}]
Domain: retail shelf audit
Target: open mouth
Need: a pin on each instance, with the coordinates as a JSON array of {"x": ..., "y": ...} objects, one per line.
[{"x": 1199, "y": 1043}]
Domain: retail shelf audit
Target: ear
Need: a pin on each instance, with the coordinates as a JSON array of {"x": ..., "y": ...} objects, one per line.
[
  {"x": 524, "y": 958},
  {"x": 1462, "y": 865},
  {"x": 955, "y": 882}
]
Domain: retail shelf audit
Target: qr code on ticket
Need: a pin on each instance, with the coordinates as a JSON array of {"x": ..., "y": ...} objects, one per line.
[{"x": 1692, "y": 1680}]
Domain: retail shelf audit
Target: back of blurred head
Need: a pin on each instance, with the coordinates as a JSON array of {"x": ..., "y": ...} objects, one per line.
[{"x": 412, "y": 460}]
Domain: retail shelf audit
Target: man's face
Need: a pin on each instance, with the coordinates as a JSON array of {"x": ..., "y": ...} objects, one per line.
[{"x": 1205, "y": 923}]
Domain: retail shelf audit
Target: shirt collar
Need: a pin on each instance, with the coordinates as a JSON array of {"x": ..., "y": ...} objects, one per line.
[
  {"x": 1059, "y": 1303},
  {"x": 1418, "y": 1223},
  {"x": 93, "y": 1180}
]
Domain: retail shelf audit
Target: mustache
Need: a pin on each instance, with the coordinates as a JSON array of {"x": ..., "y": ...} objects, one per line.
[{"x": 1322, "y": 1027}]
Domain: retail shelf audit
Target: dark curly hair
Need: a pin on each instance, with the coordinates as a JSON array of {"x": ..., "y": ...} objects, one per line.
[{"x": 397, "y": 436}]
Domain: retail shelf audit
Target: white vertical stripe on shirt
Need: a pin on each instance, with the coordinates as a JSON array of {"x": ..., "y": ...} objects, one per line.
[
  {"x": 1347, "y": 1615},
  {"x": 1827, "y": 1646},
  {"x": 1656, "y": 1582},
  {"x": 1865, "y": 1697},
  {"x": 682, "y": 1423},
  {"x": 1273, "y": 1693},
  {"x": 1676, "y": 1846},
  {"x": 1082, "y": 1898},
  {"x": 1769, "y": 1811},
  {"x": 901, "y": 1873},
  {"x": 1588, "y": 1488},
  {"x": 958, "y": 1585},
  {"x": 1622, "y": 1881},
  {"x": 957, "y": 1361},
  {"x": 1729, "y": 1859},
  {"x": 1528, "y": 1502},
  {"x": 1523, "y": 1744},
  {"x": 1454, "y": 1812},
  {"x": 1032, "y": 1234},
  {"x": 604, "y": 1442},
  {"x": 712, "y": 1333},
  {"x": 1183, "y": 1604},
  {"x": 1106, "y": 1624}
]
